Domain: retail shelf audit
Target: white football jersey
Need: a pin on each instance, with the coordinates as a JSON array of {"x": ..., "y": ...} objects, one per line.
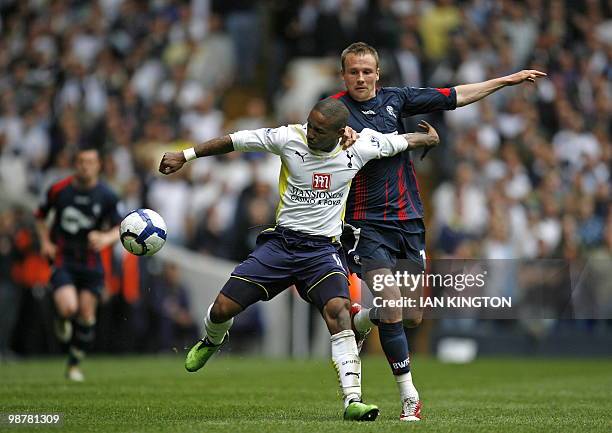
[{"x": 314, "y": 185}]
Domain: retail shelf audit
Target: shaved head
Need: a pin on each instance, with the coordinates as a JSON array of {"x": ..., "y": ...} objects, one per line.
[
  {"x": 334, "y": 111},
  {"x": 326, "y": 123}
]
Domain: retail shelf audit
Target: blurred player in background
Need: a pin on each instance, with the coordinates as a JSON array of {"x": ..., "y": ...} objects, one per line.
[
  {"x": 77, "y": 219},
  {"x": 303, "y": 249},
  {"x": 384, "y": 207}
]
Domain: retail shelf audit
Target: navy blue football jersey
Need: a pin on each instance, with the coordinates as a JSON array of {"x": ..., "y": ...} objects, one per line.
[
  {"x": 387, "y": 188},
  {"x": 76, "y": 213}
]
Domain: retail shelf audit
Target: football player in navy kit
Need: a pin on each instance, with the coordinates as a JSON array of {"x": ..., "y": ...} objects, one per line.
[
  {"x": 84, "y": 220},
  {"x": 384, "y": 207}
]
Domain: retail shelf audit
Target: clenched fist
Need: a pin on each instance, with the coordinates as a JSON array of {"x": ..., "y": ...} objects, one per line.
[{"x": 171, "y": 162}]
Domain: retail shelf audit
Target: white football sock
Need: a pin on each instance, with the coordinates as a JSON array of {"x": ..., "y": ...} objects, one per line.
[
  {"x": 215, "y": 332},
  {"x": 345, "y": 358},
  {"x": 362, "y": 320},
  {"x": 406, "y": 387}
]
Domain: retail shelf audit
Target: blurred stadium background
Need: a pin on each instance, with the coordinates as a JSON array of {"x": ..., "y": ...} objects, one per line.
[{"x": 524, "y": 174}]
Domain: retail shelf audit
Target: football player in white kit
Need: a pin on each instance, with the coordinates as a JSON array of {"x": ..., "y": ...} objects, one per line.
[{"x": 303, "y": 248}]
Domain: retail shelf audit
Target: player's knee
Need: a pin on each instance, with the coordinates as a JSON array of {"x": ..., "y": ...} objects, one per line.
[
  {"x": 222, "y": 310},
  {"x": 413, "y": 321},
  {"x": 390, "y": 314},
  {"x": 337, "y": 313},
  {"x": 87, "y": 309},
  {"x": 87, "y": 316},
  {"x": 337, "y": 307},
  {"x": 67, "y": 310},
  {"x": 86, "y": 312}
]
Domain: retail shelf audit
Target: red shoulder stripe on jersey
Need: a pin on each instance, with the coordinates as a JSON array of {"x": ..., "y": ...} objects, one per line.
[
  {"x": 52, "y": 195},
  {"x": 445, "y": 91},
  {"x": 338, "y": 95},
  {"x": 58, "y": 186}
]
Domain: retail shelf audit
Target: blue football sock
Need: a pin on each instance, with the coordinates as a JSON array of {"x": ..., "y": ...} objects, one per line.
[{"x": 395, "y": 345}]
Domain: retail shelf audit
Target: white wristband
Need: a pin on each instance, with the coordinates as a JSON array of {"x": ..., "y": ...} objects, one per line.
[{"x": 190, "y": 154}]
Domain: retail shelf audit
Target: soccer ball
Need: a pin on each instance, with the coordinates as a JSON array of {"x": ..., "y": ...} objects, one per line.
[{"x": 143, "y": 232}]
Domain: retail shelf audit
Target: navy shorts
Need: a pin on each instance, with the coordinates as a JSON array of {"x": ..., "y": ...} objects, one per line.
[
  {"x": 81, "y": 277},
  {"x": 374, "y": 245},
  {"x": 282, "y": 258}
]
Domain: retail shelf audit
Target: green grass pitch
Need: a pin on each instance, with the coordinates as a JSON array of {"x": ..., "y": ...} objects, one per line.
[{"x": 232, "y": 394}]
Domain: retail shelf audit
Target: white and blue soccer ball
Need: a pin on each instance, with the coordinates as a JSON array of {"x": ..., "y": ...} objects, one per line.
[{"x": 143, "y": 232}]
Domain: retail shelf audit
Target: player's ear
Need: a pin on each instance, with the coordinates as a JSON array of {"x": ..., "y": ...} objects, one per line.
[{"x": 377, "y": 74}]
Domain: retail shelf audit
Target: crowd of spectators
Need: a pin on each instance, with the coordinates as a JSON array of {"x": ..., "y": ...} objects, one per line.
[{"x": 522, "y": 174}]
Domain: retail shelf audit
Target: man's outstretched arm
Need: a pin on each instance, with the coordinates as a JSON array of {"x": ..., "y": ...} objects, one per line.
[
  {"x": 468, "y": 93},
  {"x": 173, "y": 161}
]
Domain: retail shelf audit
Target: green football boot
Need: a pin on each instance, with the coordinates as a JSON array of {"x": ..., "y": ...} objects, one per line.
[
  {"x": 201, "y": 352},
  {"x": 358, "y": 411}
]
